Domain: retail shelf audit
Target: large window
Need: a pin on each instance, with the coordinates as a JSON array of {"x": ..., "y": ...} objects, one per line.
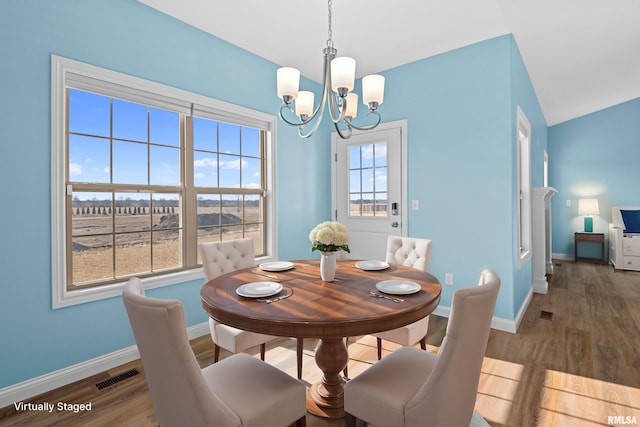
[{"x": 142, "y": 173}]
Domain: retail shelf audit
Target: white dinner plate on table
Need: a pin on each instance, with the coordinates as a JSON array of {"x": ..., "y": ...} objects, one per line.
[
  {"x": 276, "y": 266},
  {"x": 372, "y": 265},
  {"x": 259, "y": 289},
  {"x": 398, "y": 287}
]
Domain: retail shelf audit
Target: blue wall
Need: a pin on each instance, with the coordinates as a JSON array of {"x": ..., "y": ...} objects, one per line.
[
  {"x": 125, "y": 36},
  {"x": 461, "y": 110},
  {"x": 594, "y": 156},
  {"x": 524, "y": 96},
  {"x": 460, "y": 107}
]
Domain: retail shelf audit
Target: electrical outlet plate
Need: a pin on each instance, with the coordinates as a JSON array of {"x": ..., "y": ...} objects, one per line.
[{"x": 448, "y": 278}]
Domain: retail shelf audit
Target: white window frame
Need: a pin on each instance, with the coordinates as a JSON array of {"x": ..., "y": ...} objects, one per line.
[
  {"x": 65, "y": 71},
  {"x": 523, "y": 190}
]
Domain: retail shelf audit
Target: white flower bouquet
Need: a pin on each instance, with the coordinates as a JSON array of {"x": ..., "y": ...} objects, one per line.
[{"x": 329, "y": 236}]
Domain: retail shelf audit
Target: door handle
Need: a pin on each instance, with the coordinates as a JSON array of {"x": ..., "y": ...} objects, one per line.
[{"x": 394, "y": 224}]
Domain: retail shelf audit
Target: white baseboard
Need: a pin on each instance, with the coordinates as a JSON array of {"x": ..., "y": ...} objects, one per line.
[
  {"x": 497, "y": 323},
  {"x": 52, "y": 380},
  {"x": 563, "y": 257}
]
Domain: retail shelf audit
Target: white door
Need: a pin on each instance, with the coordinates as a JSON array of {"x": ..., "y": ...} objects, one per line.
[{"x": 368, "y": 191}]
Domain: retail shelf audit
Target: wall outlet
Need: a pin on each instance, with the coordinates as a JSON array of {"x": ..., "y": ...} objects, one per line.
[{"x": 448, "y": 278}]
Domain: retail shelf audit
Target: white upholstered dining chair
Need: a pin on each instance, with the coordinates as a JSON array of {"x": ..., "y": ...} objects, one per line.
[
  {"x": 224, "y": 257},
  {"x": 410, "y": 252},
  {"x": 238, "y": 391},
  {"x": 414, "y": 388},
  {"x": 416, "y": 253}
]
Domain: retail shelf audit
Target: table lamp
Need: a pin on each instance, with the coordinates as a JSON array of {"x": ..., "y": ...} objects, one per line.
[{"x": 588, "y": 207}]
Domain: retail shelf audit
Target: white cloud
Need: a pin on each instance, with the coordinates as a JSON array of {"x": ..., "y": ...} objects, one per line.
[
  {"x": 233, "y": 164},
  {"x": 381, "y": 151},
  {"x": 207, "y": 162},
  {"x": 75, "y": 169}
]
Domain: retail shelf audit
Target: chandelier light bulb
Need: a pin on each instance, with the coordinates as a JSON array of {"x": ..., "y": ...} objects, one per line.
[
  {"x": 288, "y": 82},
  {"x": 373, "y": 89},
  {"x": 352, "y": 105},
  {"x": 304, "y": 103},
  {"x": 343, "y": 74}
]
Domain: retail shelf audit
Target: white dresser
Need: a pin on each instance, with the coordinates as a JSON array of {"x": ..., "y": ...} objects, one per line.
[{"x": 624, "y": 248}]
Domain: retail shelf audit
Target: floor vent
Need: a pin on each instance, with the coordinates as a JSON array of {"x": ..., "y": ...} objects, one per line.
[
  {"x": 118, "y": 378},
  {"x": 547, "y": 315}
]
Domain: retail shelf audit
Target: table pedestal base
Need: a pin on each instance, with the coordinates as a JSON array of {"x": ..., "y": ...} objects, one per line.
[{"x": 326, "y": 398}]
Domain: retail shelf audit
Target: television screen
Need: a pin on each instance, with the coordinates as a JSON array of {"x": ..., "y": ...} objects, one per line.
[{"x": 631, "y": 220}]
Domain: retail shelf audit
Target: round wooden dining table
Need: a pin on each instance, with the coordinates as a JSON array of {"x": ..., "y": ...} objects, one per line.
[{"x": 329, "y": 311}]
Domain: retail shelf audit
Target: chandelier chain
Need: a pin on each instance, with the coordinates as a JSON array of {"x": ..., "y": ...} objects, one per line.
[{"x": 330, "y": 31}]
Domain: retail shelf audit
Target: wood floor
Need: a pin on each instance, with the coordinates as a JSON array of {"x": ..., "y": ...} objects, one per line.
[{"x": 575, "y": 361}]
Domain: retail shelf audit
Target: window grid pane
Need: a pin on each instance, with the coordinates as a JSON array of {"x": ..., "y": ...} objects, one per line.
[{"x": 368, "y": 180}]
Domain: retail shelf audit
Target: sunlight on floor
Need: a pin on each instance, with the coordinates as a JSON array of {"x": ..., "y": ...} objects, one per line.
[
  {"x": 573, "y": 400},
  {"x": 497, "y": 375}
]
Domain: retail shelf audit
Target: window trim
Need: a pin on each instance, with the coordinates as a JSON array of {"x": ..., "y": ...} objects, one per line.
[
  {"x": 65, "y": 71},
  {"x": 523, "y": 190}
]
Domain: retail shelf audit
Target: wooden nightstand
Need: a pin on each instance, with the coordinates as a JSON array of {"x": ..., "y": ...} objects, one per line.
[{"x": 589, "y": 238}]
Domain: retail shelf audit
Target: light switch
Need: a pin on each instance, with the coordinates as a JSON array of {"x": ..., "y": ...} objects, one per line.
[
  {"x": 415, "y": 205},
  {"x": 568, "y": 202}
]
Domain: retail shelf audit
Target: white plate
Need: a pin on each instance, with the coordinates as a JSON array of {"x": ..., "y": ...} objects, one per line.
[
  {"x": 372, "y": 265},
  {"x": 259, "y": 289},
  {"x": 276, "y": 266},
  {"x": 398, "y": 287}
]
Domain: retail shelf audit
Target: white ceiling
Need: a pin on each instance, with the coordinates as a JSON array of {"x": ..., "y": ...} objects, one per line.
[{"x": 582, "y": 55}]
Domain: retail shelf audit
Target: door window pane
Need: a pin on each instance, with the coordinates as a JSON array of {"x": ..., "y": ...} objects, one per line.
[{"x": 368, "y": 180}]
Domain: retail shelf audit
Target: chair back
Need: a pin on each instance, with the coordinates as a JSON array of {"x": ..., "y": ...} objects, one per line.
[
  {"x": 449, "y": 394},
  {"x": 224, "y": 257},
  {"x": 178, "y": 390},
  {"x": 409, "y": 251}
]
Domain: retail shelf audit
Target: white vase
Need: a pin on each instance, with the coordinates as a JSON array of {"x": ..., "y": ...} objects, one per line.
[{"x": 328, "y": 266}]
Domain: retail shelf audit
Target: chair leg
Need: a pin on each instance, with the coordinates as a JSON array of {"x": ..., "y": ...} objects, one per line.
[
  {"x": 299, "y": 348},
  {"x": 263, "y": 349},
  {"x": 379, "y": 340},
  {"x": 346, "y": 368},
  {"x": 423, "y": 343},
  {"x": 351, "y": 421},
  {"x": 216, "y": 352}
]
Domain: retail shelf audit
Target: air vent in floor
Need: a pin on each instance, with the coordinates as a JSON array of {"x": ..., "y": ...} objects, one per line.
[
  {"x": 118, "y": 378},
  {"x": 548, "y": 315}
]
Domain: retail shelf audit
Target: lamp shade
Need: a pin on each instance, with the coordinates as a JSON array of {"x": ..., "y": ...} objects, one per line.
[
  {"x": 588, "y": 207},
  {"x": 372, "y": 89},
  {"x": 343, "y": 73},
  {"x": 288, "y": 82},
  {"x": 304, "y": 103},
  {"x": 352, "y": 105}
]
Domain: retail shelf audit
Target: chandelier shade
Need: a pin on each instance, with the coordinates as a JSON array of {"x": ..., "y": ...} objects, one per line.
[
  {"x": 288, "y": 82},
  {"x": 337, "y": 94}
]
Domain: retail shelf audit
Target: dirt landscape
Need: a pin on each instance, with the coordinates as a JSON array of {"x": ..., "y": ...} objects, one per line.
[{"x": 146, "y": 242}]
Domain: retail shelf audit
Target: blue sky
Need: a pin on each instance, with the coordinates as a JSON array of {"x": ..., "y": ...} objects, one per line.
[
  {"x": 142, "y": 136},
  {"x": 368, "y": 168}
]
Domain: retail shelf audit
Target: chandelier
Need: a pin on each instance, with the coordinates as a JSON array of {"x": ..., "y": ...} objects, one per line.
[{"x": 337, "y": 85}]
